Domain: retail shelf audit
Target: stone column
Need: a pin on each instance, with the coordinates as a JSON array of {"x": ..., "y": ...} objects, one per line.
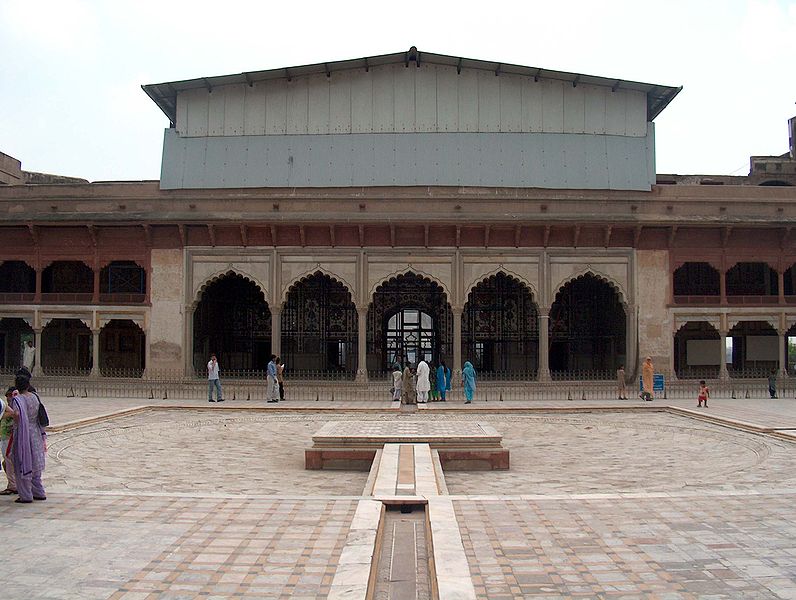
[
  {"x": 723, "y": 286},
  {"x": 781, "y": 286},
  {"x": 783, "y": 341},
  {"x": 362, "y": 344},
  {"x": 96, "y": 295},
  {"x": 37, "y": 296},
  {"x": 723, "y": 374},
  {"x": 95, "y": 350},
  {"x": 544, "y": 346},
  {"x": 37, "y": 342},
  {"x": 456, "y": 374},
  {"x": 276, "y": 330}
]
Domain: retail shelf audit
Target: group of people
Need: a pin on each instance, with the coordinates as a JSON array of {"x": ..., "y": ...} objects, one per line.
[
  {"x": 424, "y": 383},
  {"x": 275, "y": 380},
  {"x": 23, "y": 440}
]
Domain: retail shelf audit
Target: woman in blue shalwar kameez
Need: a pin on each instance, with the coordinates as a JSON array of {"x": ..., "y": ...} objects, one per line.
[
  {"x": 468, "y": 377},
  {"x": 443, "y": 379}
]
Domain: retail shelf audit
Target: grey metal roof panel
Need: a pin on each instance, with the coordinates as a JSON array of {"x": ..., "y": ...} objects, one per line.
[{"x": 165, "y": 94}]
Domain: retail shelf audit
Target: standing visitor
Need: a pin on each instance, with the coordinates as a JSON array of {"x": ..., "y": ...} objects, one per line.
[
  {"x": 442, "y": 380},
  {"x": 213, "y": 381},
  {"x": 468, "y": 378},
  {"x": 280, "y": 377},
  {"x": 407, "y": 386},
  {"x": 704, "y": 394},
  {"x": 272, "y": 383},
  {"x": 433, "y": 393},
  {"x": 447, "y": 378},
  {"x": 29, "y": 442},
  {"x": 772, "y": 384},
  {"x": 397, "y": 377},
  {"x": 620, "y": 382},
  {"x": 6, "y": 425},
  {"x": 647, "y": 378},
  {"x": 29, "y": 356},
  {"x": 423, "y": 382}
]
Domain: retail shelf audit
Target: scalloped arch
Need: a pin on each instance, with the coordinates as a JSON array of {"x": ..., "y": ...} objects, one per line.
[
  {"x": 318, "y": 270},
  {"x": 706, "y": 321},
  {"x": 226, "y": 271},
  {"x": 508, "y": 273},
  {"x": 594, "y": 273},
  {"x": 409, "y": 271},
  {"x": 733, "y": 322}
]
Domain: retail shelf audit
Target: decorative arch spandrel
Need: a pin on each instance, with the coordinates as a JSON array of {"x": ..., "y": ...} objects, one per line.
[
  {"x": 377, "y": 277},
  {"x": 200, "y": 287}
]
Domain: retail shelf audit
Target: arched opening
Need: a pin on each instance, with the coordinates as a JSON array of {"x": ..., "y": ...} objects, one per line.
[
  {"x": 409, "y": 317},
  {"x": 696, "y": 283},
  {"x": 697, "y": 351},
  {"x": 122, "y": 349},
  {"x": 233, "y": 321},
  {"x": 754, "y": 347},
  {"x": 587, "y": 330},
  {"x": 15, "y": 333},
  {"x": 66, "y": 347},
  {"x": 17, "y": 281},
  {"x": 751, "y": 279},
  {"x": 319, "y": 327},
  {"x": 67, "y": 281},
  {"x": 500, "y": 328},
  {"x": 789, "y": 283},
  {"x": 122, "y": 282}
]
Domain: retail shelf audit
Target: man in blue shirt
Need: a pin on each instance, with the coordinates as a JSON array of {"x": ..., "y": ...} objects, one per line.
[{"x": 272, "y": 390}]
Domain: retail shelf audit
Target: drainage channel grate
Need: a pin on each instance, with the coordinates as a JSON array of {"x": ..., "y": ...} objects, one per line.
[{"x": 403, "y": 570}]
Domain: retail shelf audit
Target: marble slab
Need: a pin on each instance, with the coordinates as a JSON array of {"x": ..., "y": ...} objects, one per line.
[{"x": 374, "y": 434}]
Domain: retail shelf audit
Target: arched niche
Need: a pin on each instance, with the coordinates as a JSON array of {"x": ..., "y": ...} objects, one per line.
[
  {"x": 696, "y": 279},
  {"x": 754, "y": 349},
  {"x": 67, "y": 347},
  {"x": 697, "y": 351},
  {"x": 122, "y": 349}
]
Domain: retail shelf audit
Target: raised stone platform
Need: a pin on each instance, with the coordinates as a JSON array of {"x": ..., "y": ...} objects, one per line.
[{"x": 461, "y": 445}]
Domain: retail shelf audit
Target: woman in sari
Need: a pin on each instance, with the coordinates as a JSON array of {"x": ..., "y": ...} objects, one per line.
[
  {"x": 29, "y": 442},
  {"x": 468, "y": 378}
]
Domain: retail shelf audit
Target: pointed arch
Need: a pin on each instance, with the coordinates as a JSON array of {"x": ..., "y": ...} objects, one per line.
[
  {"x": 317, "y": 270},
  {"x": 697, "y": 349},
  {"x": 226, "y": 272},
  {"x": 623, "y": 297},
  {"x": 409, "y": 270},
  {"x": 519, "y": 279}
]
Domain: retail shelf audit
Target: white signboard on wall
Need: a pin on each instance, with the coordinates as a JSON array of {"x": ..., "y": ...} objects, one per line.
[
  {"x": 703, "y": 352},
  {"x": 762, "y": 347}
]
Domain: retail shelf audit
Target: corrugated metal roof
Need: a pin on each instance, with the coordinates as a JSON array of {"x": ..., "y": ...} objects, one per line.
[{"x": 165, "y": 94}]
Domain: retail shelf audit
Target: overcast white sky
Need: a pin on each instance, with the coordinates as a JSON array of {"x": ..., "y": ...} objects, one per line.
[{"x": 71, "y": 70}]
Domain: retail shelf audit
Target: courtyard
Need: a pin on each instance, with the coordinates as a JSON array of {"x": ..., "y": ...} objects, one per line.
[{"x": 181, "y": 500}]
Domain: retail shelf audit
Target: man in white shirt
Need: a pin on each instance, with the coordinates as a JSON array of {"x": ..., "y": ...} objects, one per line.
[
  {"x": 213, "y": 380},
  {"x": 423, "y": 382},
  {"x": 29, "y": 356}
]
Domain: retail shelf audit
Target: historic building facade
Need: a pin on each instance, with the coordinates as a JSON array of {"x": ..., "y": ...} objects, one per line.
[{"x": 349, "y": 216}]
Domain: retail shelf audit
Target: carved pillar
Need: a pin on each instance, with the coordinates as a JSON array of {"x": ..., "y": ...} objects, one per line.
[
  {"x": 95, "y": 350},
  {"x": 276, "y": 330},
  {"x": 544, "y": 345},
  {"x": 37, "y": 342},
  {"x": 362, "y": 344},
  {"x": 96, "y": 294},
  {"x": 723, "y": 374},
  {"x": 781, "y": 286},
  {"x": 457, "y": 343},
  {"x": 37, "y": 297},
  {"x": 723, "y": 285}
]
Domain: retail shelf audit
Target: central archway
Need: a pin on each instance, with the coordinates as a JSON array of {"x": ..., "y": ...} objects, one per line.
[
  {"x": 233, "y": 321},
  {"x": 408, "y": 317},
  {"x": 587, "y": 330}
]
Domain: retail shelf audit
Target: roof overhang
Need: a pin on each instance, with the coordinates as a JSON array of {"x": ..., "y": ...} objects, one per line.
[{"x": 165, "y": 94}]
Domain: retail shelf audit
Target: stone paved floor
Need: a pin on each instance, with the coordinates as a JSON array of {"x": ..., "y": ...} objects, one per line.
[{"x": 214, "y": 503}]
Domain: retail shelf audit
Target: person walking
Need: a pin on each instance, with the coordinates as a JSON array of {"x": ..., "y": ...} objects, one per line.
[
  {"x": 468, "y": 379},
  {"x": 407, "y": 386},
  {"x": 213, "y": 382},
  {"x": 647, "y": 380},
  {"x": 443, "y": 380},
  {"x": 29, "y": 442},
  {"x": 272, "y": 383},
  {"x": 423, "y": 382},
  {"x": 6, "y": 426},
  {"x": 704, "y": 394},
  {"x": 397, "y": 381},
  {"x": 772, "y": 384},
  {"x": 29, "y": 356},
  {"x": 280, "y": 377},
  {"x": 620, "y": 382}
]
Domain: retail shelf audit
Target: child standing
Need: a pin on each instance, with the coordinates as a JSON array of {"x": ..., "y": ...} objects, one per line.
[{"x": 704, "y": 394}]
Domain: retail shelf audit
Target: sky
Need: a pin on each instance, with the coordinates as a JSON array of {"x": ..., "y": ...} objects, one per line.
[{"x": 71, "y": 70}]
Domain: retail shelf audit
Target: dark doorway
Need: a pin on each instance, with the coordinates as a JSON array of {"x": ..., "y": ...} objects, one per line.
[
  {"x": 319, "y": 327},
  {"x": 66, "y": 347},
  {"x": 587, "y": 330},
  {"x": 122, "y": 349},
  {"x": 233, "y": 321}
]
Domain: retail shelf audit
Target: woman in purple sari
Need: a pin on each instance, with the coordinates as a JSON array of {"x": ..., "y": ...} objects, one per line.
[{"x": 29, "y": 442}]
